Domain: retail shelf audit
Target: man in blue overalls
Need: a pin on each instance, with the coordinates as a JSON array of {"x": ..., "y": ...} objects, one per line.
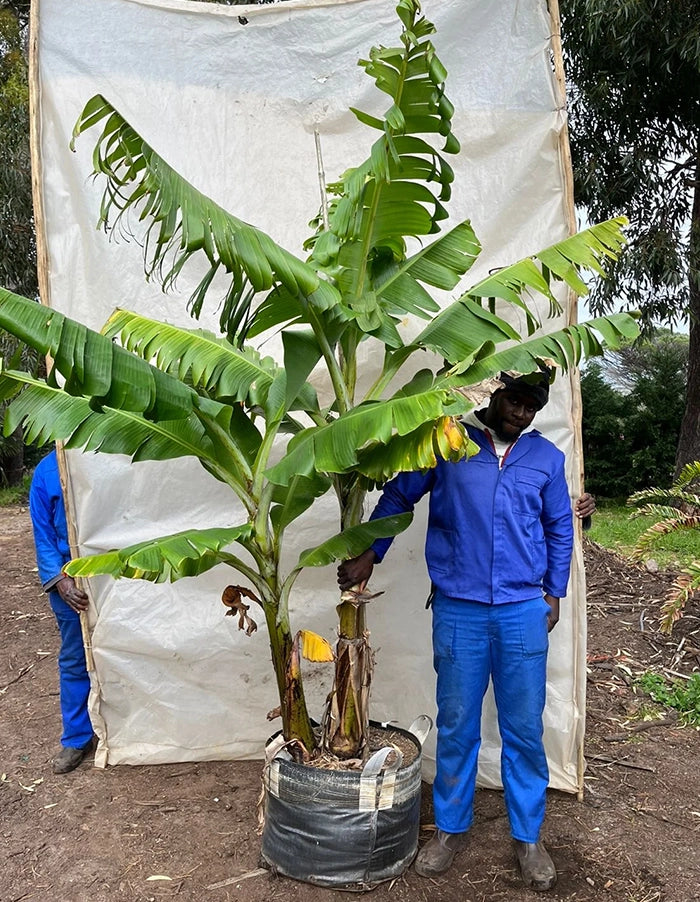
[
  {"x": 498, "y": 549},
  {"x": 67, "y": 601}
]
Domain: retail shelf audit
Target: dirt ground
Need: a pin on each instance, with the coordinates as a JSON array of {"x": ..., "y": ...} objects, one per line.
[{"x": 106, "y": 834}]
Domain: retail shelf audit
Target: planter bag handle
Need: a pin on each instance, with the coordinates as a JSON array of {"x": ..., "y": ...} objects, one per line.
[
  {"x": 277, "y": 748},
  {"x": 420, "y": 727},
  {"x": 371, "y": 772}
]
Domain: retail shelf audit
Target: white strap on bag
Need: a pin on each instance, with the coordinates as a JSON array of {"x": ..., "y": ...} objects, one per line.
[
  {"x": 371, "y": 772},
  {"x": 420, "y": 727}
]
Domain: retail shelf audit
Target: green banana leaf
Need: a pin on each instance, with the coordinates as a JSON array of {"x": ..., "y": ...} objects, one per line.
[
  {"x": 212, "y": 363},
  {"x": 588, "y": 249},
  {"x": 92, "y": 365},
  {"x": 165, "y": 559},
  {"x": 47, "y": 414},
  {"x": 183, "y": 222},
  {"x": 565, "y": 347},
  {"x": 216, "y": 366},
  {"x": 454, "y": 334},
  {"x": 334, "y": 448},
  {"x": 354, "y": 540},
  {"x": 290, "y": 501}
]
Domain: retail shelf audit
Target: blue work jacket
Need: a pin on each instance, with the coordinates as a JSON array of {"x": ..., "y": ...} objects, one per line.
[
  {"x": 48, "y": 515},
  {"x": 495, "y": 535}
]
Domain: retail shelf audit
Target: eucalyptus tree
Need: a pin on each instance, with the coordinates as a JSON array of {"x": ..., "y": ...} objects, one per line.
[
  {"x": 162, "y": 392},
  {"x": 634, "y": 86}
]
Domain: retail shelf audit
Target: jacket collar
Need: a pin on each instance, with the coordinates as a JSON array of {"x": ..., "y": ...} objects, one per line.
[{"x": 521, "y": 446}]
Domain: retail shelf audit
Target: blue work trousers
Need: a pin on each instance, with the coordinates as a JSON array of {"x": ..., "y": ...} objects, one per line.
[
  {"x": 74, "y": 682},
  {"x": 473, "y": 641}
]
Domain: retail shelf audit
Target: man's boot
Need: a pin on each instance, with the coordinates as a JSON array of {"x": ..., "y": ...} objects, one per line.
[
  {"x": 536, "y": 867},
  {"x": 69, "y": 758},
  {"x": 437, "y": 854}
]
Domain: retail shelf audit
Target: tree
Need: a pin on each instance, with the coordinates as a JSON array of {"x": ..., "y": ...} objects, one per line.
[
  {"x": 17, "y": 244},
  {"x": 605, "y": 441},
  {"x": 163, "y": 392},
  {"x": 634, "y": 73},
  {"x": 658, "y": 356},
  {"x": 632, "y": 412}
]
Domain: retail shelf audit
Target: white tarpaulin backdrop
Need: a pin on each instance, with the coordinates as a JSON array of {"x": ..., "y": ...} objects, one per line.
[{"x": 234, "y": 107}]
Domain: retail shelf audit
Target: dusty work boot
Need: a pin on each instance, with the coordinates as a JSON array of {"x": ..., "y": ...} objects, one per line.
[
  {"x": 536, "y": 867},
  {"x": 69, "y": 758},
  {"x": 437, "y": 854}
]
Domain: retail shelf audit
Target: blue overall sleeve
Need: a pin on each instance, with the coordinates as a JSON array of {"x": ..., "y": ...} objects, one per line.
[
  {"x": 48, "y": 521},
  {"x": 399, "y": 496},
  {"x": 557, "y": 523}
]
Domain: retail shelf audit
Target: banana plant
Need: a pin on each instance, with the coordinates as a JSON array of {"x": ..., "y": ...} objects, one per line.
[{"x": 155, "y": 392}]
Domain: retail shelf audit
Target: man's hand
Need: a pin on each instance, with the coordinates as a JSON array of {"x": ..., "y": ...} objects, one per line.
[
  {"x": 585, "y": 506},
  {"x": 553, "y": 616},
  {"x": 74, "y": 597},
  {"x": 356, "y": 571}
]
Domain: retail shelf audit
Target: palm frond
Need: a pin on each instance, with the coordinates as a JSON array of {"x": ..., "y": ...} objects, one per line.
[
  {"x": 676, "y": 495},
  {"x": 181, "y": 222},
  {"x": 688, "y": 474},
  {"x": 686, "y": 584},
  {"x": 653, "y": 496},
  {"x": 654, "y": 509},
  {"x": 677, "y": 522}
]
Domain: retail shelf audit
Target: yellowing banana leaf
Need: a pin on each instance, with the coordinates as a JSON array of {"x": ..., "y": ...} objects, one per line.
[
  {"x": 314, "y": 647},
  {"x": 441, "y": 439},
  {"x": 334, "y": 448}
]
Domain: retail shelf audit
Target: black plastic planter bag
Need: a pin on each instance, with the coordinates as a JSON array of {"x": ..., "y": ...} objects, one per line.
[{"x": 343, "y": 829}]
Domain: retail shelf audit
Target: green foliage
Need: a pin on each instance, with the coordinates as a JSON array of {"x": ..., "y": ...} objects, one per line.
[
  {"x": 634, "y": 102},
  {"x": 615, "y": 527},
  {"x": 160, "y": 392},
  {"x": 676, "y": 509},
  {"x": 17, "y": 244},
  {"x": 15, "y": 494},
  {"x": 633, "y": 402},
  {"x": 635, "y": 110},
  {"x": 679, "y": 695}
]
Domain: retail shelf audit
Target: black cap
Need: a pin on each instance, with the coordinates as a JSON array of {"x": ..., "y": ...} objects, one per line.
[{"x": 534, "y": 384}]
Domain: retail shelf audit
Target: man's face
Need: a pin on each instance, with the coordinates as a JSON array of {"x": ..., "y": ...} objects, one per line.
[{"x": 509, "y": 413}]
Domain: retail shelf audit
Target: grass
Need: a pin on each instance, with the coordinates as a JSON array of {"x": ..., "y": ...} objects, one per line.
[
  {"x": 614, "y": 528},
  {"x": 15, "y": 494}
]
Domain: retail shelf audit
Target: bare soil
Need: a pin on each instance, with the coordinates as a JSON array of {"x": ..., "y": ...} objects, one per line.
[{"x": 117, "y": 834}]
